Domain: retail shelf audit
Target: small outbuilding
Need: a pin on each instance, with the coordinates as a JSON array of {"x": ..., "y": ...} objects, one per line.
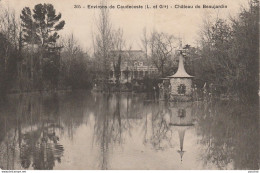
[{"x": 181, "y": 83}]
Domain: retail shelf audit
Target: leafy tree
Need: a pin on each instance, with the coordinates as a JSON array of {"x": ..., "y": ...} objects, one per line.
[
  {"x": 245, "y": 49},
  {"x": 215, "y": 44},
  {"x": 40, "y": 27},
  {"x": 229, "y": 54},
  {"x": 29, "y": 27}
]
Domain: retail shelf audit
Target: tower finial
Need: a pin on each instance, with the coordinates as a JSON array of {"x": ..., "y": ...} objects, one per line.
[{"x": 180, "y": 43}]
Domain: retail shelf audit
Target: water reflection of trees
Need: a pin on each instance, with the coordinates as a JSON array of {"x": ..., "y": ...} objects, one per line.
[
  {"x": 229, "y": 135},
  {"x": 110, "y": 122},
  {"x": 161, "y": 133},
  {"x": 31, "y": 125},
  {"x": 73, "y": 107},
  {"x": 32, "y": 132},
  {"x": 116, "y": 116}
]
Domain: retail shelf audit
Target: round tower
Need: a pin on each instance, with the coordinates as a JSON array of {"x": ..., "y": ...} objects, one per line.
[{"x": 181, "y": 83}]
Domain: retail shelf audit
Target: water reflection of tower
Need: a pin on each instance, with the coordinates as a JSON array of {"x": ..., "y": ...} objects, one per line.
[{"x": 181, "y": 120}]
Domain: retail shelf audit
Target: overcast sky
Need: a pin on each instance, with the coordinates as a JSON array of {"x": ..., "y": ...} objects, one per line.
[{"x": 183, "y": 23}]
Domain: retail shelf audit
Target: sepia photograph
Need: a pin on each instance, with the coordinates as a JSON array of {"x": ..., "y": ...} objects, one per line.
[{"x": 129, "y": 85}]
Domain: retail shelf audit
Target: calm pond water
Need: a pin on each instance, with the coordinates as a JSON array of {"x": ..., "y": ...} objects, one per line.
[{"x": 82, "y": 130}]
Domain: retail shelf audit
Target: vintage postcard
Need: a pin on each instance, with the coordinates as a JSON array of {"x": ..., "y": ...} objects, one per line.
[{"x": 129, "y": 85}]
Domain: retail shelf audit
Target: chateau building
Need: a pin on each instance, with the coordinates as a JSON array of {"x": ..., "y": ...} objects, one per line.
[{"x": 133, "y": 66}]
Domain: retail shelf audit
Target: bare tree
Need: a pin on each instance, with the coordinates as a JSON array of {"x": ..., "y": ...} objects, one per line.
[
  {"x": 118, "y": 44},
  {"x": 69, "y": 53},
  {"x": 145, "y": 42},
  {"x": 10, "y": 47},
  {"x": 162, "y": 49},
  {"x": 9, "y": 27},
  {"x": 102, "y": 43},
  {"x": 71, "y": 49},
  {"x": 109, "y": 44},
  {"x": 74, "y": 64}
]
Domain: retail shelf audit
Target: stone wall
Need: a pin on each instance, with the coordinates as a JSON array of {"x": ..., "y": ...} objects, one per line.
[{"x": 175, "y": 82}]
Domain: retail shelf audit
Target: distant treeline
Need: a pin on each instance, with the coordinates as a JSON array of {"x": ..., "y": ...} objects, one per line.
[
  {"x": 34, "y": 57},
  {"x": 229, "y": 54}
]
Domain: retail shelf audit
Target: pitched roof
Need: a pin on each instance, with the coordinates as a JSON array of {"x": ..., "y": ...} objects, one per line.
[{"x": 181, "y": 72}]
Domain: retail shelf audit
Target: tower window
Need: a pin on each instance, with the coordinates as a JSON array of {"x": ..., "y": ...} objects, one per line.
[
  {"x": 181, "y": 89},
  {"x": 181, "y": 113}
]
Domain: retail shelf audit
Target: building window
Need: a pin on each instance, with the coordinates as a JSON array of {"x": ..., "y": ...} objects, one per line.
[
  {"x": 181, "y": 113},
  {"x": 135, "y": 74},
  {"x": 110, "y": 74},
  {"x": 181, "y": 89},
  {"x": 141, "y": 74},
  {"x": 126, "y": 74}
]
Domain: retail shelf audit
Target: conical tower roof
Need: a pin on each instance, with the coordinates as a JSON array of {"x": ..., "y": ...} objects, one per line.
[
  {"x": 181, "y": 138},
  {"x": 181, "y": 153},
  {"x": 181, "y": 72}
]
